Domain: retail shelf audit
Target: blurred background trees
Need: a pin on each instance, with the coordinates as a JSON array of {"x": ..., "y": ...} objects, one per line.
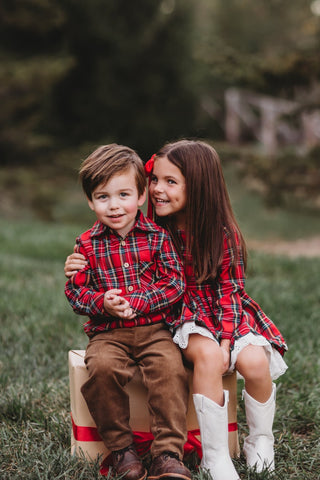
[{"x": 76, "y": 73}]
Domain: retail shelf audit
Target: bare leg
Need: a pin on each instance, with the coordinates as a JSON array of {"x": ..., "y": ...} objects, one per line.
[
  {"x": 252, "y": 363},
  {"x": 211, "y": 405},
  {"x": 206, "y": 357}
]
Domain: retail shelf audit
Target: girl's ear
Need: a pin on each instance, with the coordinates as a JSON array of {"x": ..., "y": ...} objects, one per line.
[{"x": 142, "y": 198}]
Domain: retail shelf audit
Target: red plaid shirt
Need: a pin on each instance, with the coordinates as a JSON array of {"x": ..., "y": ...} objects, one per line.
[{"x": 144, "y": 265}]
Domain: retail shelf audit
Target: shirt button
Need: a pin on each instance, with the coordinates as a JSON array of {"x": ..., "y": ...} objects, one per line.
[
  {"x": 123, "y": 243},
  {"x": 130, "y": 288},
  {"x": 126, "y": 264}
]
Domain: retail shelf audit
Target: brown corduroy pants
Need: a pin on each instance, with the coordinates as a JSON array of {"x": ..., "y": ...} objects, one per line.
[{"x": 111, "y": 359}]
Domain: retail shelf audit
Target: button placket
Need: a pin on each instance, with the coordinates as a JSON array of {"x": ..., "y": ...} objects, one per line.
[{"x": 125, "y": 266}]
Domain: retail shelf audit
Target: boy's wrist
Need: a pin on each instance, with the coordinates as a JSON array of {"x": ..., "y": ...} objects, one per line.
[{"x": 137, "y": 303}]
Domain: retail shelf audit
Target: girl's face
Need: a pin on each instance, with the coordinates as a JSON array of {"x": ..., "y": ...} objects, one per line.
[{"x": 168, "y": 190}]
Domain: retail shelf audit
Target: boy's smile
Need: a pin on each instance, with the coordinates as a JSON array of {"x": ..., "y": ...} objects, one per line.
[{"x": 116, "y": 202}]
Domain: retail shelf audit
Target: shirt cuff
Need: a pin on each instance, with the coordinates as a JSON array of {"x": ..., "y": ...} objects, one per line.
[
  {"x": 138, "y": 303},
  {"x": 97, "y": 307}
]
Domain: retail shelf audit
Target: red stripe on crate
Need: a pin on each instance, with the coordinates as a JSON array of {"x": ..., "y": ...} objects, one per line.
[
  {"x": 232, "y": 427},
  {"x": 85, "y": 434},
  {"x": 90, "y": 434}
]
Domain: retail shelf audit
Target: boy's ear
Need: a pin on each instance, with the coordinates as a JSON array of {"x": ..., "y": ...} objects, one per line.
[
  {"x": 90, "y": 203},
  {"x": 142, "y": 198}
]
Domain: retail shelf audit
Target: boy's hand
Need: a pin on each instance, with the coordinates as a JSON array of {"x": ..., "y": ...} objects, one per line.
[
  {"x": 74, "y": 263},
  {"x": 225, "y": 346},
  {"x": 117, "y": 306}
]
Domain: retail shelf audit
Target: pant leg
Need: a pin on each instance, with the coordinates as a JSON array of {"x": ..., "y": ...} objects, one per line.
[
  {"x": 110, "y": 367},
  {"x": 165, "y": 377}
]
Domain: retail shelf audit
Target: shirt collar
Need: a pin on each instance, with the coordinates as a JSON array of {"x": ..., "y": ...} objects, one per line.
[{"x": 142, "y": 223}]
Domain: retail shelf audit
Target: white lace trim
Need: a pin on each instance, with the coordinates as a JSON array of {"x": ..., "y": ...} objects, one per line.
[
  {"x": 181, "y": 337},
  {"x": 276, "y": 363}
]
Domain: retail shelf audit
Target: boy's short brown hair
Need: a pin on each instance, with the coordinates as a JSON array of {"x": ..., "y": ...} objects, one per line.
[{"x": 109, "y": 160}]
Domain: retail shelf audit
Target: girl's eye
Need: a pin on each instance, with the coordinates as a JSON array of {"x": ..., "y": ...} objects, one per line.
[
  {"x": 154, "y": 179},
  {"x": 171, "y": 182}
]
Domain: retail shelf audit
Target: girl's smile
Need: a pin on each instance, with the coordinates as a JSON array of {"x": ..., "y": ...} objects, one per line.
[{"x": 168, "y": 190}]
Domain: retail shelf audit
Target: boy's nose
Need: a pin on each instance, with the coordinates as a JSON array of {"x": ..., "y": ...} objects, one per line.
[{"x": 113, "y": 204}]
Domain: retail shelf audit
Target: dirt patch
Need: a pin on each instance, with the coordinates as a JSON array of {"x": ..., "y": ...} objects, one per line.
[{"x": 307, "y": 247}]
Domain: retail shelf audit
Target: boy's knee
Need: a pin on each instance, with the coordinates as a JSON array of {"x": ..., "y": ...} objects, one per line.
[
  {"x": 172, "y": 366},
  {"x": 98, "y": 366}
]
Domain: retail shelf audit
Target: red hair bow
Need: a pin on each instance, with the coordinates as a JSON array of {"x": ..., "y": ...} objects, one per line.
[
  {"x": 148, "y": 169},
  {"x": 149, "y": 165}
]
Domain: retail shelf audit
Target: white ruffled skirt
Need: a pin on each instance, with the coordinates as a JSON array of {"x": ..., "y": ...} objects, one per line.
[{"x": 276, "y": 363}]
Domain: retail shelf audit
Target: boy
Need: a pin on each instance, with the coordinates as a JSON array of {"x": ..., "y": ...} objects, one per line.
[{"x": 130, "y": 255}]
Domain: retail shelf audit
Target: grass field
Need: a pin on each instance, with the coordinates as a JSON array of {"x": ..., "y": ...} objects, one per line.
[{"x": 38, "y": 328}]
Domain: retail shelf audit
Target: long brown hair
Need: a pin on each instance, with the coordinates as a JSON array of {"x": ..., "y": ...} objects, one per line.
[{"x": 209, "y": 215}]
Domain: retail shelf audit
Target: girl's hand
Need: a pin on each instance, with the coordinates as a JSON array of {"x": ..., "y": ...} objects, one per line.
[
  {"x": 116, "y": 305},
  {"x": 74, "y": 263},
  {"x": 225, "y": 347}
]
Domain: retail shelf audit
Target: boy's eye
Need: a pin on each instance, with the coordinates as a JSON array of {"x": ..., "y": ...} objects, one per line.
[{"x": 123, "y": 194}]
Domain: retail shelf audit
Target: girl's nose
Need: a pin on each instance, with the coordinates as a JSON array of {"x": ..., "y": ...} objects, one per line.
[{"x": 158, "y": 187}]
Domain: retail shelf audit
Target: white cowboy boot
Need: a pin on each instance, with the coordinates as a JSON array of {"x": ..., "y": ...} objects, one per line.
[
  {"x": 213, "y": 423},
  {"x": 258, "y": 445}
]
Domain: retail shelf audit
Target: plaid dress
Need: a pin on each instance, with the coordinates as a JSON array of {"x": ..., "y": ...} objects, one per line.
[{"x": 223, "y": 306}]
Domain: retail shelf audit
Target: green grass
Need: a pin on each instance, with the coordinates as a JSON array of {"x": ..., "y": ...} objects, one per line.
[{"x": 38, "y": 328}]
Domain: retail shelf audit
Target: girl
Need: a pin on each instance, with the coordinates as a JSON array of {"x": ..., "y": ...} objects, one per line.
[{"x": 220, "y": 328}]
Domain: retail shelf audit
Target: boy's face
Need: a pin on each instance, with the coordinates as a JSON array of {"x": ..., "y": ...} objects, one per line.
[{"x": 116, "y": 202}]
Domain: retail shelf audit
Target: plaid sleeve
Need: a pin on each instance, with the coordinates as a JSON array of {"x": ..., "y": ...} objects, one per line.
[
  {"x": 82, "y": 297},
  {"x": 228, "y": 305},
  {"x": 169, "y": 285}
]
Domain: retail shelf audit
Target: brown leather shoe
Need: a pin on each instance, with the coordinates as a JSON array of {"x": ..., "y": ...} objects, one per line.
[
  {"x": 168, "y": 465},
  {"x": 126, "y": 461}
]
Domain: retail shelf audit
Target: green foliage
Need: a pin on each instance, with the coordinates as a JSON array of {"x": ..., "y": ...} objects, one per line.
[
  {"x": 288, "y": 179},
  {"x": 38, "y": 328},
  {"x": 130, "y": 78},
  {"x": 93, "y": 71},
  {"x": 269, "y": 46},
  {"x": 100, "y": 71},
  {"x": 31, "y": 63}
]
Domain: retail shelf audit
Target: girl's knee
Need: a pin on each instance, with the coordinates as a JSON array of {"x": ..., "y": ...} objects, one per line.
[
  {"x": 209, "y": 358},
  {"x": 253, "y": 363}
]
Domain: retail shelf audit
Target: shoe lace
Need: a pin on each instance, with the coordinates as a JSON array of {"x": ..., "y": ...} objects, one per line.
[
  {"x": 118, "y": 454},
  {"x": 168, "y": 453}
]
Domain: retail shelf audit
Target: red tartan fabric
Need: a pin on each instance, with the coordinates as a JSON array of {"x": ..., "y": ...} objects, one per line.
[
  {"x": 144, "y": 265},
  {"x": 223, "y": 306}
]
